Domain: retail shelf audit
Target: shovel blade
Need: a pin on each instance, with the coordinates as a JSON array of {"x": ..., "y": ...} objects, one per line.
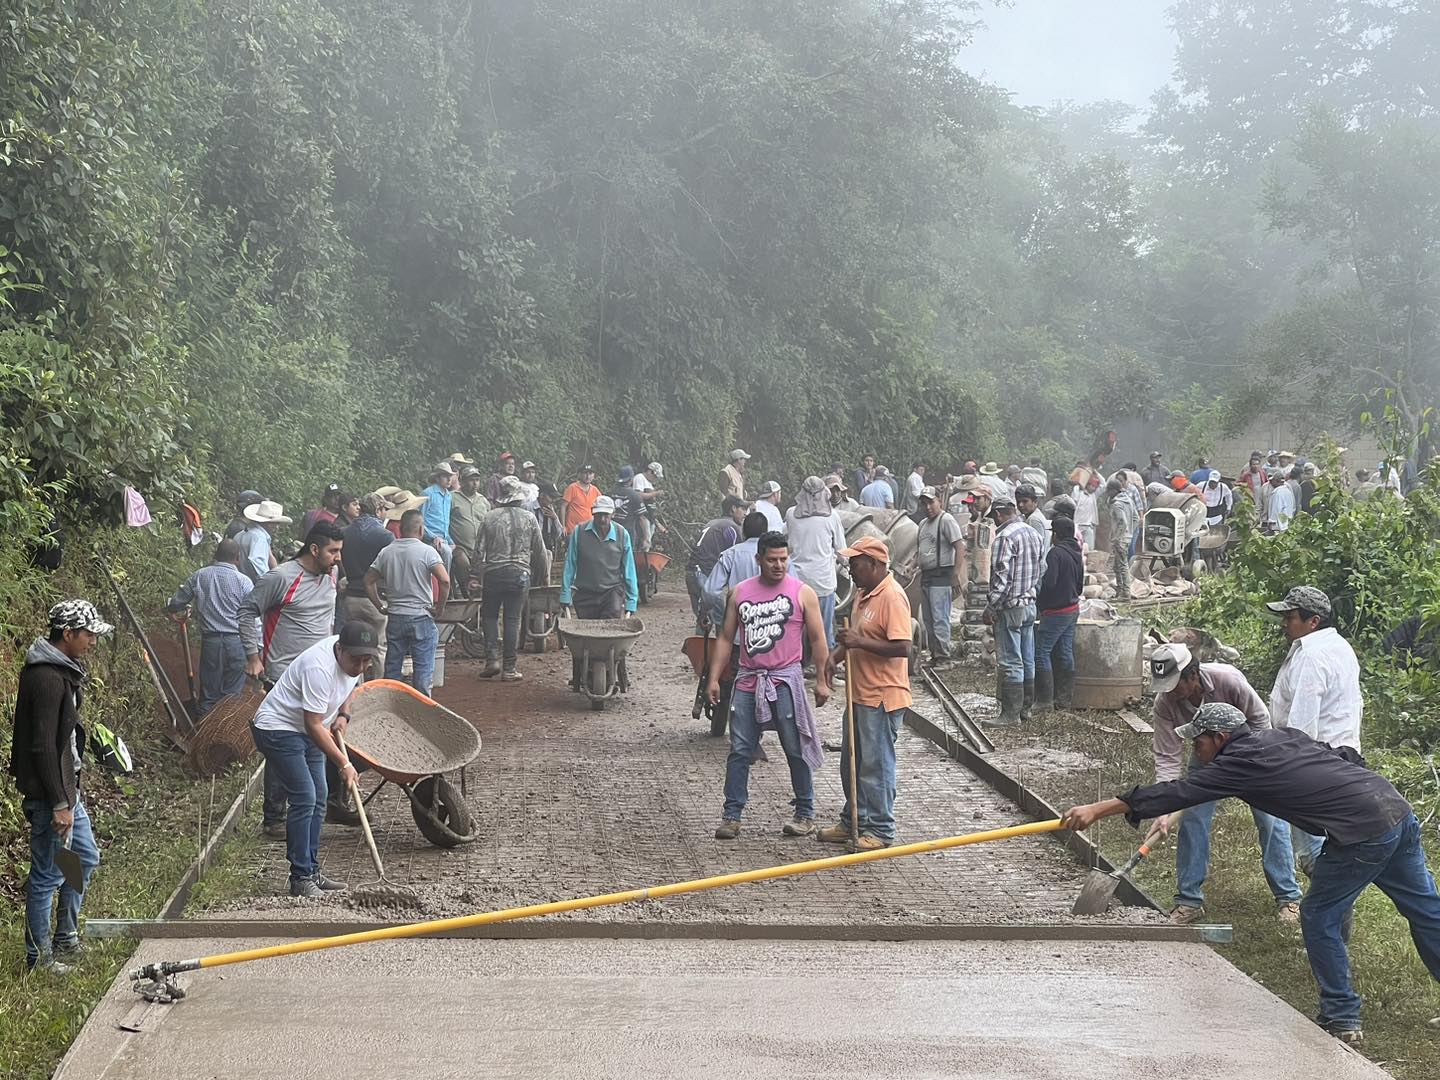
[
  {"x": 69, "y": 864},
  {"x": 1095, "y": 897}
]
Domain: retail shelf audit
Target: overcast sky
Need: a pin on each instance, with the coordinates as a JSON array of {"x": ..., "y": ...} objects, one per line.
[{"x": 1045, "y": 51}]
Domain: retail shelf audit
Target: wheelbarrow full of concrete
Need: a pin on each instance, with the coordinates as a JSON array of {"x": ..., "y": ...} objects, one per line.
[
  {"x": 598, "y": 648},
  {"x": 411, "y": 741}
]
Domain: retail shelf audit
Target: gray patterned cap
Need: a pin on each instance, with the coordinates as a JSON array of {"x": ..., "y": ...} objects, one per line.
[
  {"x": 1212, "y": 716},
  {"x": 78, "y": 615},
  {"x": 1303, "y": 598}
]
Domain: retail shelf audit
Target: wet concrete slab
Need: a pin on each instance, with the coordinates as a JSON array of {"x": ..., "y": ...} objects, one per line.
[
  {"x": 600, "y": 1009},
  {"x": 570, "y": 802}
]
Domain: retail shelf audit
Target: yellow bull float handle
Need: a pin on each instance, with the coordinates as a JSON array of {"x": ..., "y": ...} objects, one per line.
[{"x": 165, "y": 968}]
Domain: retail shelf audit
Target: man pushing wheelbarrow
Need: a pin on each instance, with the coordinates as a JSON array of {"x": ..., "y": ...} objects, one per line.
[{"x": 599, "y": 580}]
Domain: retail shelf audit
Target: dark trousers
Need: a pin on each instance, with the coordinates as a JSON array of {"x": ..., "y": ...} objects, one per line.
[
  {"x": 505, "y": 589},
  {"x": 222, "y": 668}
]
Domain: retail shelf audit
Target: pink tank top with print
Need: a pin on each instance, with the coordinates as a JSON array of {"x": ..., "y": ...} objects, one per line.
[{"x": 772, "y": 623}]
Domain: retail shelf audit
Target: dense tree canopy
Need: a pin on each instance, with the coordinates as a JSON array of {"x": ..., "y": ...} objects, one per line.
[{"x": 267, "y": 242}]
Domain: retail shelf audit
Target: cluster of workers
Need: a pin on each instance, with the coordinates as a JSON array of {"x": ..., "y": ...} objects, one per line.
[{"x": 371, "y": 574}]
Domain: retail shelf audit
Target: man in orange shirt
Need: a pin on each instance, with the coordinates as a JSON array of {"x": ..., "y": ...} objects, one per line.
[
  {"x": 579, "y": 499},
  {"x": 876, "y": 646}
]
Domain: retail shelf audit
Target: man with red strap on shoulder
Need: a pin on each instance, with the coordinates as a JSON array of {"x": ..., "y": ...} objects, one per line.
[{"x": 294, "y": 605}]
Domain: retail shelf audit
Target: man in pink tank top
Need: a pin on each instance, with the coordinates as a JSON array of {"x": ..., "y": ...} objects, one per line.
[{"x": 773, "y": 615}]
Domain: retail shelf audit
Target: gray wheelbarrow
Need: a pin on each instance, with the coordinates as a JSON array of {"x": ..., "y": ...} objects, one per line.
[
  {"x": 411, "y": 741},
  {"x": 542, "y": 610},
  {"x": 598, "y": 648}
]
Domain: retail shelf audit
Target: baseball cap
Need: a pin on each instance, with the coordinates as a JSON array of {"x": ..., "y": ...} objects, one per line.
[
  {"x": 1002, "y": 502},
  {"x": 1155, "y": 453},
  {"x": 656, "y": 468},
  {"x": 603, "y": 505},
  {"x": 1166, "y": 664},
  {"x": 1303, "y": 598},
  {"x": 78, "y": 615},
  {"x": 868, "y": 545},
  {"x": 928, "y": 492},
  {"x": 359, "y": 638},
  {"x": 739, "y": 455},
  {"x": 769, "y": 487},
  {"x": 528, "y": 465},
  {"x": 507, "y": 456},
  {"x": 732, "y": 502},
  {"x": 332, "y": 488},
  {"x": 1213, "y": 477},
  {"x": 587, "y": 468},
  {"x": 467, "y": 471},
  {"x": 248, "y": 497},
  {"x": 1212, "y": 716}
]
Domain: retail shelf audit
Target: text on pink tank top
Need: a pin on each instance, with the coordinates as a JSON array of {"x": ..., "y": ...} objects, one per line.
[{"x": 772, "y": 634}]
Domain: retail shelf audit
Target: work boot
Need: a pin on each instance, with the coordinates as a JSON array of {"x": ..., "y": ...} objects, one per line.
[
  {"x": 1027, "y": 703},
  {"x": 339, "y": 812},
  {"x": 306, "y": 888},
  {"x": 328, "y": 884},
  {"x": 1350, "y": 1036},
  {"x": 274, "y": 830},
  {"x": 801, "y": 826},
  {"x": 868, "y": 843},
  {"x": 490, "y": 670},
  {"x": 1288, "y": 913},
  {"x": 1064, "y": 687},
  {"x": 834, "y": 834},
  {"x": 728, "y": 829},
  {"x": 1044, "y": 690},
  {"x": 71, "y": 949},
  {"x": 48, "y": 965},
  {"x": 1185, "y": 915},
  {"x": 1012, "y": 700}
]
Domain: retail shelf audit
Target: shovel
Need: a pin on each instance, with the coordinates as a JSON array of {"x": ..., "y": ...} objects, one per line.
[
  {"x": 1099, "y": 890},
  {"x": 69, "y": 864}
]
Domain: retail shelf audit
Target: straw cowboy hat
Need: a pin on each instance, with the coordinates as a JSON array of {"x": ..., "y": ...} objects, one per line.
[
  {"x": 388, "y": 492},
  {"x": 402, "y": 501},
  {"x": 968, "y": 483},
  {"x": 989, "y": 469},
  {"x": 460, "y": 459},
  {"x": 266, "y": 512}
]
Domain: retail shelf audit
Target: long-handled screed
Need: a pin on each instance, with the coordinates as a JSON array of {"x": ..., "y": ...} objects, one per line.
[
  {"x": 850, "y": 741},
  {"x": 1099, "y": 890},
  {"x": 156, "y": 982},
  {"x": 381, "y": 892}
]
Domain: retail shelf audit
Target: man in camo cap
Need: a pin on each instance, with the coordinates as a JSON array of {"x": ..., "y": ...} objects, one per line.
[
  {"x": 45, "y": 760},
  {"x": 1371, "y": 835}
]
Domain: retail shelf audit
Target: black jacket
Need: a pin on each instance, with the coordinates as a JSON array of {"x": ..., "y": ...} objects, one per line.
[
  {"x": 1325, "y": 791},
  {"x": 49, "y": 741},
  {"x": 1063, "y": 582}
]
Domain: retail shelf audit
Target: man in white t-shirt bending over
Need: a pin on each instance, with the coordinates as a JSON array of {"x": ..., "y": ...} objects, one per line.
[{"x": 295, "y": 730}]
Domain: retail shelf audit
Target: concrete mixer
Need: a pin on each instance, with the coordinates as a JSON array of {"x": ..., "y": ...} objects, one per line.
[
  {"x": 901, "y": 536},
  {"x": 1170, "y": 535}
]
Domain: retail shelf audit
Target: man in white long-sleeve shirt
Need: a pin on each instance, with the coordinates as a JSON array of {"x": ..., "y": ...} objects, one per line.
[
  {"x": 1279, "y": 504},
  {"x": 1317, "y": 689}
]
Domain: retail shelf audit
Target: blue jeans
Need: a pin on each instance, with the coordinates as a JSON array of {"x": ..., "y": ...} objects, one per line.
[
  {"x": 1055, "y": 642},
  {"x": 935, "y": 603},
  {"x": 1306, "y": 848},
  {"x": 827, "y": 616},
  {"x": 1015, "y": 643},
  {"x": 1192, "y": 853},
  {"x": 299, "y": 766},
  {"x": 1394, "y": 861},
  {"x": 416, "y": 636},
  {"x": 875, "y": 733},
  {"x": 745, "y": 745},
  {"x": 222, "y": 668},
  {"x": 45, "y": 878}
]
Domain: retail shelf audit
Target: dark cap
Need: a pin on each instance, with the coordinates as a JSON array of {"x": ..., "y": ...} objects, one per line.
[
  {"x": 359, "y": 639},
  {"x": 587, "y": 468},
  {"x": 332, "y": 488},
  {"x": 733, "y": 502},
  {"x": 1303, "y": 598}
]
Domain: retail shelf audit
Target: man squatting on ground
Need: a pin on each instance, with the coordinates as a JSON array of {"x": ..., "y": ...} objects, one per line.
[
  {"x": 45, "y": 759},
  {"x": 773, "y": 615},
  {"x": 1371, "y": 835}
]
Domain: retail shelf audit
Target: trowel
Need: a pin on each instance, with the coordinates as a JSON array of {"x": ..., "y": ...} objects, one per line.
[
  {"x": 1099, "y": 890},
  {"x": 69, "y": 864}
]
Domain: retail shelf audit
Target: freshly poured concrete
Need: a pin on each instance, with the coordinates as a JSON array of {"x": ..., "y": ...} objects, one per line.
[{"x": 595, "y": 1009}]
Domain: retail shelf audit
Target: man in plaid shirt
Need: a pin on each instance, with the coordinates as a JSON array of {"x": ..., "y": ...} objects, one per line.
[{"x": 1015, "y": 569}]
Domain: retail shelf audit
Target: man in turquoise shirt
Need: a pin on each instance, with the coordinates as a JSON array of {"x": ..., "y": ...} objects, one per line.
[{"x": 440, "y": 492}]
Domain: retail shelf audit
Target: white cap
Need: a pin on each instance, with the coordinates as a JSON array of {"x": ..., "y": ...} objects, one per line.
[
  {"x": 1166, "y": 664},
  {"x": 739, "y": 455},
  {"x": 656, "y": 468},
  {"x": 603, "y": 505},
  {"x": 769, "y": 487}
]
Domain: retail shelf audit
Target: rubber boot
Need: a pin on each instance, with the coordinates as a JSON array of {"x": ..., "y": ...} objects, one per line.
[
  {"x": 1064, "y": 687},
  {"x": 1044, "y": 690},
  {"x": 1027, "y": 702},
  {"x": 1012, "y": 698}
]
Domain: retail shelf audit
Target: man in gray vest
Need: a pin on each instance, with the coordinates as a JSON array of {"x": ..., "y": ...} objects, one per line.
[{"x": 599, "y": 580}]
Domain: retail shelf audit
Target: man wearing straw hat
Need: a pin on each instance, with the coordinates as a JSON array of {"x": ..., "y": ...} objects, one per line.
[
  {"x": 875, "y": 649},
  {"x": 257, "y": 539},
  {"x": 509, "y": 554}
]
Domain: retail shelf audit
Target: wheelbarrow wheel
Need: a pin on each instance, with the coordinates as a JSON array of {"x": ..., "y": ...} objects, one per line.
[
  {"x": 454, "y": 826},
  {"x": 472, "y": 642}
]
